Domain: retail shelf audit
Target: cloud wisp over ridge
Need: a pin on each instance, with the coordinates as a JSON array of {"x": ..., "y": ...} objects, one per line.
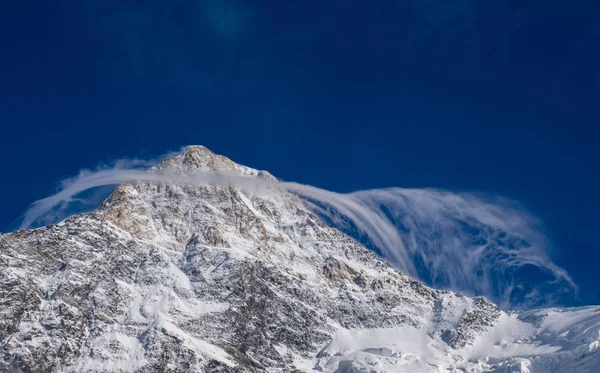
[{"x": 475, "y": 243}]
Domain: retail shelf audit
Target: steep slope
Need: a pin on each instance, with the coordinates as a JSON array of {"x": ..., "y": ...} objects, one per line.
[{"x": 166, "y": 277}]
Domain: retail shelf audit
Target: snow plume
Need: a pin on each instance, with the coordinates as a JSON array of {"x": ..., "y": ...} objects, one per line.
[{"x": 477, "y": 244}]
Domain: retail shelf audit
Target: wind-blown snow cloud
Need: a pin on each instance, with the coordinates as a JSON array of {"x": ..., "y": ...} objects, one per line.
[{"x": 478, "y": 244}]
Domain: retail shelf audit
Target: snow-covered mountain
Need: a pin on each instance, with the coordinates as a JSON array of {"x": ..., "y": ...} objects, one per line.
[{"x": 165, "y": 277}]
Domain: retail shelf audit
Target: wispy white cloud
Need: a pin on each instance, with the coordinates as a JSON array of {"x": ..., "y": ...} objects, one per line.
[{"x": 478, "y": 244}]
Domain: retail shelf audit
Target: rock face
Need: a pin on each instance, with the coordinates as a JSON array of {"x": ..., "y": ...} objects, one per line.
[{"x": 173, "y": 278}]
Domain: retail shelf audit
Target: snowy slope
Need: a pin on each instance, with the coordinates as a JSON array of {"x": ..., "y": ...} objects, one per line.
[{"x": 185, "y": 278}]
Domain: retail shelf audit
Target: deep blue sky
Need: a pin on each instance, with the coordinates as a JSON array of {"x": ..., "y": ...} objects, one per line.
[{"x": 496, "y": 96}]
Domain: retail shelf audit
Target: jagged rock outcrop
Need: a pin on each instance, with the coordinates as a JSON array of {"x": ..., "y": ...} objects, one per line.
[{"x": 165, "y": 277}]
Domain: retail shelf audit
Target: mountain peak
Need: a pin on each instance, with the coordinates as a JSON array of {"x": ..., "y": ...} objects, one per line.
[
  {"x": 214, "y": 278},
  {"x": 200, "y": 155},
  {"x": 195, "y": 158}
]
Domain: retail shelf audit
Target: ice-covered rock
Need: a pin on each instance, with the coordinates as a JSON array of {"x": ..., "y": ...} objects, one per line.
[{"x": 165, "y": 277}]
